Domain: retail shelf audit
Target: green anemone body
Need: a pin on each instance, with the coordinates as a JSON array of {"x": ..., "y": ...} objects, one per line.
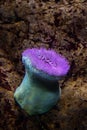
[{"x": 35, "y": 95}]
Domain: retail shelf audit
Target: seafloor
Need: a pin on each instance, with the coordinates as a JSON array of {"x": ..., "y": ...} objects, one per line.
[{"x": 57, "y": 24}]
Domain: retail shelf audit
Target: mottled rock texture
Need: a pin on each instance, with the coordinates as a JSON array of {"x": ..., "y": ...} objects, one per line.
[{"x": 57, "y": 24}]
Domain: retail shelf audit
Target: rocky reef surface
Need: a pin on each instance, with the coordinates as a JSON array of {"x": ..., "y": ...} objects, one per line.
[{"x": 57, "y": 24}]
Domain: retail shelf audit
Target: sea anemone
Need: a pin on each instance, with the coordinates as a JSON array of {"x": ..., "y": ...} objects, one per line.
[{"x": 39, "y": 90}]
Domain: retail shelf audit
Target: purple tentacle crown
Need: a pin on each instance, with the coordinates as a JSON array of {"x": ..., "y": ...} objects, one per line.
[{"x": 47, "y": 61}]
